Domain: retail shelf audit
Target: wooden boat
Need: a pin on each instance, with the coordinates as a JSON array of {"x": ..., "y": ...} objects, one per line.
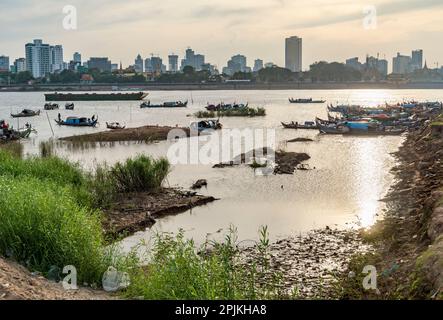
[
  {"x": 310, "y": 100},
  {"x": 69, "y": 106},
  {"x": 51, "y": 106},
  {"x": 78, "y": 121},
  {"x": 222, "y": 106},
  {"x": 26, "y": 113},
  {"x": 7, "y": 134},
  {"x": 115, "y": 126},
  {"x": 206, "y": 125},
  {"x": 296, "y": 125},
  {"x": 175, "y": 104},
  {"x": 95, "y": 96}
]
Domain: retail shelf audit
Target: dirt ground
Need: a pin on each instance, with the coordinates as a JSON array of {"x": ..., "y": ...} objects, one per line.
[
  {"x": 17, "y": 283},
  {"x": 146, "y": 133}
]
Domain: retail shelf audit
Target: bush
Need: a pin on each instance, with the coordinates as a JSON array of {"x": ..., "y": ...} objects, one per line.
[
  {"x": 239, "y": 112},
  {"x": 140, "y": 174}
]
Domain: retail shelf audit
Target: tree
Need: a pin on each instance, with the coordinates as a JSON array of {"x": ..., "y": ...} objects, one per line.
[
  {"x": 23, "y": 77},
  {"x": 188, "y": 70},
  {"x": 275, "y": 74}
]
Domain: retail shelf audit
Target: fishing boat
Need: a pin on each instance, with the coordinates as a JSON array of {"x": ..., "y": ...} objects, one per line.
[
  {"x": 51, "y": 106},
  {"x": 69, "y": 106},
  {"x": 95, "y": 96},
  {"x": 296, "y": 125},
  {"x": 26, "y": 113},
  {"x": 9, "y": 134},
  {"x": 310, "y": 100},
  {"x": 115, "y": 126},
  {"x": 206, "y": 125},
  {"x": 222, "y": 106},
  {"x": 77, "y": 121}
]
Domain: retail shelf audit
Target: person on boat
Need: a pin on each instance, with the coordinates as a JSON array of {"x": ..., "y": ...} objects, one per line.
[
  {"x": 59, "y": 117},
  {"x": 93, "y": 118}
]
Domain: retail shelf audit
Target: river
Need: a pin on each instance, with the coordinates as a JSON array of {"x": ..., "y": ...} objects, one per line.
[{"x": 351, "y": 174}]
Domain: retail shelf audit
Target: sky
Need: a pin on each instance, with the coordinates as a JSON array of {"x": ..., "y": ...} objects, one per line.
[{"x": 332, "y": 30}]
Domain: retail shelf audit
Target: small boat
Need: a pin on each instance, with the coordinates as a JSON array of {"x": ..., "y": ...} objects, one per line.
[
  {"x": 78, "y": 121},
  {"x": 175, "y": 104},
  {"x": 69, "y": 106},
  {"x": 310, "y": 100},
  {"x": 26, "y": 113},
  {"x": 115, "y": 126},
  {"x": 296, "y": 125},
  {"x": 206, "y": 125},
  {"x": 51, "y": 106},
  {"x": 9, "y": 134},
  {"x": 223, "y": 107}
]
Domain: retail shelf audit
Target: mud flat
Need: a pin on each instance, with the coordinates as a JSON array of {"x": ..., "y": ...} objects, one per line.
[
  {"x": 308, "y": 263},
  {"x": 145, "y": 133},
  {"x": 137, "y": 211},
  {"x": 17, "y": 283}
]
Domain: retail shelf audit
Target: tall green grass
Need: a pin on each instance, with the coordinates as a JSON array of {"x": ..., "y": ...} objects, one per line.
[
  {"x": 179, "y": 270},
  {"x": 140, "y": 174}
]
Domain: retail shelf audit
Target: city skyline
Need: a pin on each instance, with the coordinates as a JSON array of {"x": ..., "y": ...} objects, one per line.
[{"x": 332, "y": 30}]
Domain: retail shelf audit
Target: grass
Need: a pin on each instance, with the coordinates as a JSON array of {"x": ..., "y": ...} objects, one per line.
[
  {"x": 240, "y": 112},
  {"x": 179, "y": 270}
]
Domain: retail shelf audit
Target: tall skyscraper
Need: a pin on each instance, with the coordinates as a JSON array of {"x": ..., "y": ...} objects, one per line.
[
  {"x": 148, "y": 65},
  {"x": 194, "y": 60},
  {"x": 401, "y": 64},
  {"x": 56, "y": 58},
  {"x": 417, "y": 60},
  {"x": 4, "y": 63},
  {"x": 258, "y": 65},
  {"x": 38, "y": 58},
  {"x": 138, "y": 64},
  {"x": 173, "y": 63},
  {"x": 293, "y": 54},
  {"x": 237, "y": 63},
  {"x": 102, "y": 64}
]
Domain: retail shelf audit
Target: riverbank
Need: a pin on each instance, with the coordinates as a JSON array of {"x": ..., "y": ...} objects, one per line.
[
  {"x": 145, "y": 133},
  {"x": 409, "y": 240},
  {"x": 221, "y": 86}
]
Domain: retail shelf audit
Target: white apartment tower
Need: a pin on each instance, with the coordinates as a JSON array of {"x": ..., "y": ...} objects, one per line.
[
  {"x": 38, "y": 60},
  {"x": 293, "y": 54}
]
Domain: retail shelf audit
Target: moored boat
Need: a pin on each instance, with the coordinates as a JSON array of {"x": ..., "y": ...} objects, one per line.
[
  {"x": 115, "y": 126},
  {"x": 310, "y": 100},
  {"x": 203, "y": 125},
  {"x": 175, "y": 104},
  {"x": 296, "y": 125},
  {"x": 95, "y": 96},
  {"x": 26, "y": 113},
  {"x": 69, "y": 106},
  {"x": 77, "y": 121},
  {"x": 51, "y": 106}
]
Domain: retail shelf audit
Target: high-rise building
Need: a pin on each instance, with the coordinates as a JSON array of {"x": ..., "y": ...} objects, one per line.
[
  {"x": 157, "y": 65},
  {"x": 401, "y": 64},
  {"x": 138, "y": 65},
  {"x": 173, "y": 63},
  {"x": 417, "y": 60},
  {"x": 382, "y": 67},
  {"x": 237, "y": 63},
  {"x": 194, "y": 60},
  {"x": 258, "y": 65},
  {"x": 293, "y": 54},
  {"x": 38, "y": 60},
  {"x": 56, "y": 58},
  {"x": 4, "y": 63},
  {"x": 102, "y": 64},
  {"x": 148, "y": 66},
  {"x": 19, "y": 65},
  {"x": 77, "y": 57},
  {"x": 354, "y": 63}
]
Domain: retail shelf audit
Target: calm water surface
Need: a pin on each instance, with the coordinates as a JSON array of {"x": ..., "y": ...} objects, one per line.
[{"x": 351, "y": 173}]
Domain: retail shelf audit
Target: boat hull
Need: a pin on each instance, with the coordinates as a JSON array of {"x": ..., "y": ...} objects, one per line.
[{"x": 96, "y": 96}]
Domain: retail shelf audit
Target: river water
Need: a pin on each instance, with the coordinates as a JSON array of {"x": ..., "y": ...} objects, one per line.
[{"x": 351, "y": 173}]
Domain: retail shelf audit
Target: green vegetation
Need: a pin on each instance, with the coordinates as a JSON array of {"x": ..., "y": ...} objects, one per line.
[
  {"x": 180, "y": 270},
  {"x": 239, "y": 112}
]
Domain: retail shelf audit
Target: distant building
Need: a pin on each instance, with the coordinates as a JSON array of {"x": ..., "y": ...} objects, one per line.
[
  {"x": 401, "y": 64},
  {"x": 38, "y": 60},
  {"x": 237, "y": 63},
  {"x": 173, "y": 63},
  {"x": 148, "y": 66},
  {"x": 382, "y": 67},
  {"x": 211, "y": 68},
  {"x": 354, "y": 64},
  {"x": 114, "y": 67},
  {"x": 270, "y": 65},
  {"x": 417, "y": 60},
  {"x": 4, "y": 63},
  {"x": 77, "y": 58},
  {"x": 157, "y": 65},
  {"x": 19, "y": 65},
  {"x": 56, "y": 58},
  {"x": 258, "y": 65},
  {"x": 194, "y": 60},
  {"x": 138, "y": 65},
  {"x": 102, "y": 64},
  {"x": 293, "y": 54}
]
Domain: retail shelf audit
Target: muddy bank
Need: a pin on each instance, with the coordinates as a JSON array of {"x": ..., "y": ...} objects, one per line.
[
  {"x": 284, "y": 162},
  {"x": 308, "y": 263},
  {"x": 17, "y": 283},
  {"x": 146, "y": 133},
  {"x": 409, "y": 241},
  {"x": 137, "y": 211}
]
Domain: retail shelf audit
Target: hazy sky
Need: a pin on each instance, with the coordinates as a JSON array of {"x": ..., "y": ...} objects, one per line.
[{"x": 332, "y": 30}]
